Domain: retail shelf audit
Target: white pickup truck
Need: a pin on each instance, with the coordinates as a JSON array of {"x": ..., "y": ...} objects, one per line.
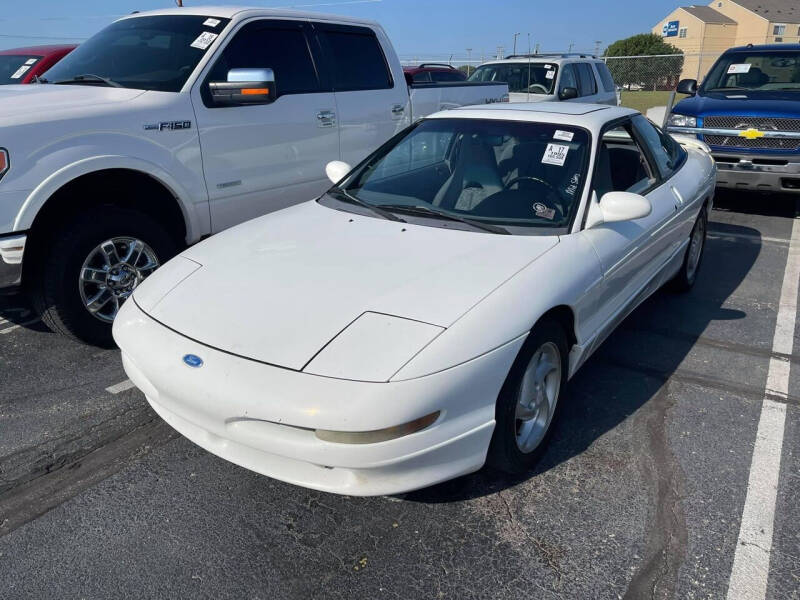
[{"x": 171, "y": 125}]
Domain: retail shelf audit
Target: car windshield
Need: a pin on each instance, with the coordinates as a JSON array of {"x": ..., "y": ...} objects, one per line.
[
  {"x": 525, "y": 177},
  {"x": 755, "y": 71},
  {"x": 533, "y": 77},
  {"x": 146, "y": 53},
  {"x": 13, "y": 68}
]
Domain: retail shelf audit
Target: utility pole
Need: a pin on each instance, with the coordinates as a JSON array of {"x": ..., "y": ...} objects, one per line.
[
  {"x": 536, "y": 49},
  {"x": 597, "y": 45},
  {"x": 469, "y": 59},
  {"x": 571, "y": 46},
  {"x": 515, "y": 43},
  {"x": 500, "y": 52}
]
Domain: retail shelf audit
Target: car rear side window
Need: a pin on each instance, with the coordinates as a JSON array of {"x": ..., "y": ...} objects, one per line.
[
  {"x": 357, "y": 57},
  {"x": 423, "y": 77},
  {"x": 446, "y": 76},
  {"x": 588, "y": 85},
  {"x": 605, "y": 77}
]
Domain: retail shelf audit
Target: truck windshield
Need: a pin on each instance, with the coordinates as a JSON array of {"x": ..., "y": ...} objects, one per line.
[
  {"x": 755, "y": 71},
  {"x": 524, "y": 177},
  {"x": 13, "y": 68},
  {"x": 146, "y": 53},
  {"x": 533, "y": 78}
]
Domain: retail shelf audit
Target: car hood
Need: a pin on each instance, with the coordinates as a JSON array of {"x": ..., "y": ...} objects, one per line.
[
  {"x": 32, "y": 100},
  {"x": 758, "y": 104},
  {"x": 279, "y": 288}
]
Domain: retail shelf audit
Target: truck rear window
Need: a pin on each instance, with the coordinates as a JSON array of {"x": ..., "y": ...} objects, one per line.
[{"x": 533, "y": 77}]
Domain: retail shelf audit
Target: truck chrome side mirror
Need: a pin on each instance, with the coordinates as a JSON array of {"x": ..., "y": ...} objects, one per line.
[
  {"x": 244, "y": 86},
  {"x": 687, "y": 86}
]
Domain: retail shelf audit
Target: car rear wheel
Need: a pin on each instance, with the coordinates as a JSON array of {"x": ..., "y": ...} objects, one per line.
[
  {"x": 685, "y": 278},
  {"x": 92, "y": 268},
  {"x": 528, "y": 403}
]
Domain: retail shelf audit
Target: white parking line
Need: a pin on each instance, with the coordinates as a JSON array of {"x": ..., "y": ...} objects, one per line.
[
  {"x": 751, "y": 562},
  {"x": 17, "y": 326},
  {"x": 121, "y": 387}
]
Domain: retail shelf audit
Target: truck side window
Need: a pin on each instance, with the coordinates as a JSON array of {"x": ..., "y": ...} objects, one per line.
[
  {"x": 605, "y": 76},
  {"x": 568, "y": 78},
  {"x": 588, "y": 86},
  {"x": 283, "y": 49},
  {"x": 357, "y": 57}
]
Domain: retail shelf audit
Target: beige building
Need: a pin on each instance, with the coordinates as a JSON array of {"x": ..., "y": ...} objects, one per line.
[{"x": 703, "y": 32}]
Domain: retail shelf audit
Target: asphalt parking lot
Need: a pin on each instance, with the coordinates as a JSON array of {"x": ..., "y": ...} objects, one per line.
[{"x": 640, "y": 494}]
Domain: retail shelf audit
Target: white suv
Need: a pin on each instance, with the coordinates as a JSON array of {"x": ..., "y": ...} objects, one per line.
[{"x": 551, "y": 77}]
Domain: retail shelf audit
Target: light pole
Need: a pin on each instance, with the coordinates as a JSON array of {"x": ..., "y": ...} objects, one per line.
[
  {"x": 597, "y": 45},
  {"x": 469, "y": 59},
  {"x": 571, "y": 46},
  {"x": 515, "y": 43}
]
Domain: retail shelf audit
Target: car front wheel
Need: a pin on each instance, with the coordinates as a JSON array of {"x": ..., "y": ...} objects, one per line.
[
  {"x": 685, "y": 278},
  {"x": 92, "y": 268}
]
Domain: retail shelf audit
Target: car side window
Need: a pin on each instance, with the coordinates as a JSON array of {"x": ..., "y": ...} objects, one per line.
[
  {"x": 445, "y": 76},
  {"x": 621, "y": 164},
  {"x": 605, "y": 77},
  {"x": 666, "y": 152},
  {"x": 588, "y": 85},
  {"x": 423, "y": 77},
  {"x": 357, "y": 58},
  {"x": 280, "y": 47},
  {"x": 568, "y": 78}
]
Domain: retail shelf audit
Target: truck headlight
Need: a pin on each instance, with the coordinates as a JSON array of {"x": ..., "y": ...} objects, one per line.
[
  {"x": 676, "y": 120},
  {"x": 4, "y": 162}
]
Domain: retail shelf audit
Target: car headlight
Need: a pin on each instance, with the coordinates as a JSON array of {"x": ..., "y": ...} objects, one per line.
[
  {"x": 5, "y": 162},
  {"x": 372, "y": 348},
  {"x": 682, "y": 121}
]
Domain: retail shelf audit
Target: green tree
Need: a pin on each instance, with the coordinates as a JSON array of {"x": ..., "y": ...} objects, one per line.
[{"x": 661, "y": 72}]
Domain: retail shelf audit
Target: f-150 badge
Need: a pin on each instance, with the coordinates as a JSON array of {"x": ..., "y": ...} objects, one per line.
[{"x": 168, "y": 126}]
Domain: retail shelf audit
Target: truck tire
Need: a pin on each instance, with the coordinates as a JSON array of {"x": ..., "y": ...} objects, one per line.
[{"x": 93, "y": 265}]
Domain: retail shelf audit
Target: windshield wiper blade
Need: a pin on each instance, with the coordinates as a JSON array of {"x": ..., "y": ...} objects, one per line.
[
  {"x": 431, "y": 211},
  {"x": 90, "y": 77},
  {"x": 343, "y": 196}
]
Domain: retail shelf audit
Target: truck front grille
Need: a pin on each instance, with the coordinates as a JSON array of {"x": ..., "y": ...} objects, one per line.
[{"x": 761, "y": 123}]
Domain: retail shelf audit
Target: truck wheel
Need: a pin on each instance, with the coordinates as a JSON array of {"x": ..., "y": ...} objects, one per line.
[
  {"x": 93, "y": 265},
  {"x": 528, "y": 403}
]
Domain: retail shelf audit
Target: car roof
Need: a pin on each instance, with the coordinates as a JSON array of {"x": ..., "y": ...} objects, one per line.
[
  {"x": 764, "y": 47},
  {"x": 542, "y": 58},
  {"x": 244, "y": 12},
  {"x": 590, "y": 116},
  {"x": 38, "y": 50},
  {"x": 429, "y": 67}
]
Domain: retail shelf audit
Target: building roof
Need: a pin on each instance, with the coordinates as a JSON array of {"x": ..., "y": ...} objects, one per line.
[
  {"x": 708, "y": 15},
  {"x": 777, "y": 11}
]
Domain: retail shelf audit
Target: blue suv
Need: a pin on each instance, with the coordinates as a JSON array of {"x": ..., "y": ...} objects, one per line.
[{"x": 748, "y": 112}]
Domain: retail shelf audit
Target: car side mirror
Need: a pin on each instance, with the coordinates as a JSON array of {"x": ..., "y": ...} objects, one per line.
[
  {"x": 568, "y": 93},
  {"x": 243, "y": 87},
  {"x": 615, "y": 207},
  {"x": 687, "y": 86},
  {"x": 336, "y": 170}
]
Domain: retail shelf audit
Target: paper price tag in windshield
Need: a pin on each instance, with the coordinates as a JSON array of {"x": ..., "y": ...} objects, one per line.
[
  {"x": 740, "y": 68},
  {"x": 204, "y": 40},
  {"x": 30, "y": 61},
  {"x": 555, "y": 154},
  {"x": 20, "y": 72},
  {"x": 550, "y": 74},
  {"x": 211, "y": 22},
  {"x": 563, "y": 135}
]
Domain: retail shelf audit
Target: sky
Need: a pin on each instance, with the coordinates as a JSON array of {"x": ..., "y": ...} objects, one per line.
[{"x": 430, "y": 29}]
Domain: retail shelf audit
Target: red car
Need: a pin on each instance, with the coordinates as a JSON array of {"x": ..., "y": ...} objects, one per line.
[
  {"x": 433, "y": 73},
  {"x": 22, "y": 65}
]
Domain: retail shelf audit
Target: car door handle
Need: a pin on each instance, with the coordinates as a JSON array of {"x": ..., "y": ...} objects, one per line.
[
  {"x": 398, "y": 109},
  {"x": 326, "y": 118}
]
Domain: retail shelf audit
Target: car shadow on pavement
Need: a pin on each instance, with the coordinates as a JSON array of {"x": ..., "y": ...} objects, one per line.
[
  {"x": 631, "y": 367},
  {"x": 16, "y": 312}
]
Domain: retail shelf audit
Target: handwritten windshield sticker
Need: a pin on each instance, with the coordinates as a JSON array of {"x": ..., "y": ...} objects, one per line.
[
  {"x": 204, "y": 40},
  {"x": 211, "y": 22},
  {"x": 550, "y": 74},
  {"x": 740, "y": 68},
  {"x": 573, "y": 184},
  {"x": 543, "y": 211},
  {"x": 563, "y": 135},
  {"x": 555, "y": 154},
  {"x": 20, "y": 72}
]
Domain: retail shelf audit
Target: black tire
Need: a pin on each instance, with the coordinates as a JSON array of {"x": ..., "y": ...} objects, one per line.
[
  {"x": 686, "y": 276},
  {"x": 54, "y": 286},
  {"x": 504, "y": 452}
]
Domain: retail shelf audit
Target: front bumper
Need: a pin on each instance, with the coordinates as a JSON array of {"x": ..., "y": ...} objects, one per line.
[
  {"x": 263, "y": 417},
  {"x": 12, "y": 250}
]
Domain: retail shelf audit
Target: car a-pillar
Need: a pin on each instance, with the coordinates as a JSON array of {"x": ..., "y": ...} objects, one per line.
[{"x": 92, "y": 243}]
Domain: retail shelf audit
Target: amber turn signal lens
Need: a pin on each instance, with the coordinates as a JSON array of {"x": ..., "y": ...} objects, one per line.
[
  {"x": 377, "y": 435},
  {"x": 3, "y": 161},
  {"x": 255, "y": 92}
]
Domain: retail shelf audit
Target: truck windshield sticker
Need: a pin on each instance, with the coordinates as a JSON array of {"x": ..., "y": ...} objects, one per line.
[
  {"x": 555, "y": 154},
  {"x": 563, "y": 135},
  {"x": 20, "y": 72},
  {"x": 550, "y": 74},
  {"x": 541, "y": 210},
  {"x": 211, "y": 22},
  {"x": 204, "y": 40},
  {"x": 740, "y": 68},
  {"x": 30, "y": 61}
]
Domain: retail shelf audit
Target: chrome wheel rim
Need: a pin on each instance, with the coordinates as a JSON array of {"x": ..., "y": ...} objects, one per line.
[
  {"x": 537, "y": 397},
  {"x": 695, "y": 248},
  {"x": 111, "y": 272}
]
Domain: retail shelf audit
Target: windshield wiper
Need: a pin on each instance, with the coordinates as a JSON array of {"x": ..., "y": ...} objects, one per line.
[
  {"x": 343, "y": 196},
  {"x": 424, "y": 209},
  {"x": 90, "y": 77}
]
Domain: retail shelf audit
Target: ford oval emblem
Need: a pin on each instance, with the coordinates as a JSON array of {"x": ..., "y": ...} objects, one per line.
[{"x": 193, "y": 361}]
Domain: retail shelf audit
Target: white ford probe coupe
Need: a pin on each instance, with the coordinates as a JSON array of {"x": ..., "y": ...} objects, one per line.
[{"x": 422, "y": 317}]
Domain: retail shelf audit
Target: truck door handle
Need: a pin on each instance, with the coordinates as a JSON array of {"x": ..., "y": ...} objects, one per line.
[
  {"x": 326, "y": 118},
  {"x": 398, "y": 109}
]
